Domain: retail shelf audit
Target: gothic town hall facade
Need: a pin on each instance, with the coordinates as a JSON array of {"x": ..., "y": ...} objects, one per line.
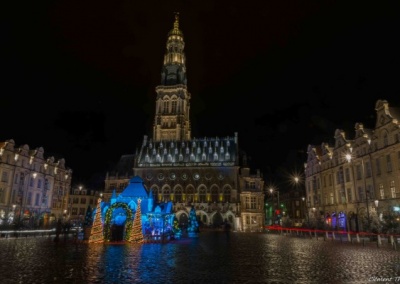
[{"x": 205, "y": 173}]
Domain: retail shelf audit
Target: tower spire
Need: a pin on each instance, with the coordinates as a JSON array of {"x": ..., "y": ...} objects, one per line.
[
  {"x": 176, "y": 23},
  {"x": 171, "y": 122}
]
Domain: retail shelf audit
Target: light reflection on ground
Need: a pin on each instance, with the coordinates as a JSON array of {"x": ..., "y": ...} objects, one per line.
[{"x": 211, "y": 258}]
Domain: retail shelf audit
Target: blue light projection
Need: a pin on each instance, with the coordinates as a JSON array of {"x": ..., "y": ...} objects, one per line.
[{"x": 118, "y": 214}]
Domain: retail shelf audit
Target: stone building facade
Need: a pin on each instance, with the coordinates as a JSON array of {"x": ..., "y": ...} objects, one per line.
[
  {"x": 79, "y": 201},
  {"x": 33, "y": 188},
  {"x": 199, "y": 172},
  {"x": 355, "y": 183}
]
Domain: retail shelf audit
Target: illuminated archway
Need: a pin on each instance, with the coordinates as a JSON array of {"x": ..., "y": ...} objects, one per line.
[{"x": 107, "y": 221}]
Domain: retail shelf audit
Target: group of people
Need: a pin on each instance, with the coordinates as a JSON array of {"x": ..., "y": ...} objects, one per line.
[{"x": 62, "y": 228}]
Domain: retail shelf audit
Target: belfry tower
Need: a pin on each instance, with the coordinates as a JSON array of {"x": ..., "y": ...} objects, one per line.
[
  {"x": 171, "y": 121},
  {"x": 203, "y": 173}
]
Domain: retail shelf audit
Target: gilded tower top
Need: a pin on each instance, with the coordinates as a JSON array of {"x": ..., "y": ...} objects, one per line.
[
  {"x": 176, "y": 30},
  {"x": 174, "y": 69},
  {"x": 171, "y": 121}
]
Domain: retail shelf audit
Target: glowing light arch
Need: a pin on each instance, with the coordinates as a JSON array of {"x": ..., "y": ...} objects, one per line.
[{"x": 128, "y": 222}]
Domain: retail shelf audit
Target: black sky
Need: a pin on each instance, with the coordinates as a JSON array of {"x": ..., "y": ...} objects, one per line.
[{"x": 78, "y": 77}]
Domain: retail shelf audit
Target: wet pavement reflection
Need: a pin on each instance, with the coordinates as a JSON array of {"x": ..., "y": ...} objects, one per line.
[{"x": 210, "y": 258}]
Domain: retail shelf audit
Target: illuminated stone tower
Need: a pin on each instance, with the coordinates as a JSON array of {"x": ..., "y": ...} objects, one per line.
[
  {"x": 203, "y": 173},
  {"x": 171, "y": 121}
]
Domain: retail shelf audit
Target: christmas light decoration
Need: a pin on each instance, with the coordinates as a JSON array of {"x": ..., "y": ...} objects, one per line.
[
  {"x": 108, "y": 218},
  {"x": 193, "y": 225},
  {"x": 176, "y": 230},
  {"x": 96, "y": 234},
  {"x": 136, "y": 235}
]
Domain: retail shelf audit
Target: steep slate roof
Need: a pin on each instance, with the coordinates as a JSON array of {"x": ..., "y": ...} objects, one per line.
[
  {"x": 196, "y": 151},
  {"x": 135, "y": 188}
]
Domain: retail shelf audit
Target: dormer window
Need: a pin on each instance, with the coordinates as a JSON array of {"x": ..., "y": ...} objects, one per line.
[
  {"x": 385, "y": 139},
  {"x": 215, "y": 157}
]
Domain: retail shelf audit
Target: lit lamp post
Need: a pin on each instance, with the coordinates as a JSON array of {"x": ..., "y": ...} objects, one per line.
[
  {"x": 305, "y": 210},
  {"x": 271, "y": 190},
  {"x": 349, "y": 158},
  {"x": 376, "y": 208},
  {"x": 298, "y": 182},
  {"x": 13, "y": 213},
  {"x": 266, "y": 214}
]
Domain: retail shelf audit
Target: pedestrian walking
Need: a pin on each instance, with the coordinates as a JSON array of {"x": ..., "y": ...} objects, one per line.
[{"x": 58, "y": 230}]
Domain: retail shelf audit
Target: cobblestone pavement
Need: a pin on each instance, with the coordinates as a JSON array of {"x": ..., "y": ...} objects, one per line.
[{"x": 213, "y": 257}]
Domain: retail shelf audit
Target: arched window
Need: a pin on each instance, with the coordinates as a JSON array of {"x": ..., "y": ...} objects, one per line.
[
  {"x": 166, "y": 194},
  {"x": 178, "y": 195},
  {"x": 165, "y": 106},
  {"x": 214, "y": 194},
  {"x": 156, "y": 194},
  {"x": 385, "y": 139},
  {"x": 202, "y": 194},
  {"x": 190, "y": 194},
  {"x": 227, "y": 194},
  {"x": 173, "y": 106}
]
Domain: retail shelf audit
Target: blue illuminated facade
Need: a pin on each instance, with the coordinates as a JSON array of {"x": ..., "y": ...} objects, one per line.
[{"x": 118, "y": 214}]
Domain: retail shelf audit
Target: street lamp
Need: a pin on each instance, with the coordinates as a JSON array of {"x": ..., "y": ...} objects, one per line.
[
  {"x": 376, "y": 206},
  {"x": 298, "y": 184},
  {"x": 349, "y": 158},
  {"x": 266, "y": 213},
  {"x": 13, "y": 214},
  {"x": 271, "y": 190},
  {"x": 305, "y": 210}
]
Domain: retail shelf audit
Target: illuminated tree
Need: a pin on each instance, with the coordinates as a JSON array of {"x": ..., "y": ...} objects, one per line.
[
  {"x": 96, "y": 234},
  {"x": 176, "y": 230},
  {"x": 88, "y": 217},
  {"x": 193, "y": 224},
  {"x": 136, "y": 235}
]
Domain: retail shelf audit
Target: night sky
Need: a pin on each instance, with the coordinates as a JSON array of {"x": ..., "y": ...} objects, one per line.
[{"x": 78, "y": 78}]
